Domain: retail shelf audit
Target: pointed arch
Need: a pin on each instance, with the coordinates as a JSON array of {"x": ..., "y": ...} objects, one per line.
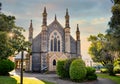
[{"x": 55, "y": 42}]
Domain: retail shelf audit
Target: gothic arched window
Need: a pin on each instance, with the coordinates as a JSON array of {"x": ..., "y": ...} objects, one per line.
[
  {"x": 55, "y": 44},
  {"x": 58, "y": 45},
  {"x": 51, "y": 45},
  {"x": 54, "y": 62}
]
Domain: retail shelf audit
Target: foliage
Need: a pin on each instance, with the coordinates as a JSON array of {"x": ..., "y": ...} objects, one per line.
[
  {"x": 91, "y": 73},
  {"x": 117, "y": 62},
  {"x": 77, "y": 70},
  {"x": 5, "y": 47},
  {"x": 117, "y": 69},
  {"x": 60, "y": 69},
  {"x": 116, "y": 79},
  {"x": 90, "y": 70},
  {"x": 6, "y": 66},
  {"x": 114, "y": 25},
  {"x": 110, "y": 68},
  {"x": 100, "y": 49},
  {"x": 11, "y": 44},
  {"x": 67, "y": 66},
  {"x": 117, "y": 65},
  {"x": 104, "y": 70}
]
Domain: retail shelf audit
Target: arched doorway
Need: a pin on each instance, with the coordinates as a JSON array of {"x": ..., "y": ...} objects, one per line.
[{"x": 54, "y": 62}]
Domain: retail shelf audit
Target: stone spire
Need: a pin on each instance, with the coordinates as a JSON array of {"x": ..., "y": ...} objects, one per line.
[
  {"x": 77, "y": 33},
  {"x": 78, "y": 42},
  {"x": 55, "y": 17},
  {"x": 67, "y": 19},
  {"x": 67, "y": 33},
  {"x": 44, "y": 10},
  {"x": 31, "y": 32},
  {"x": 44, "y": 17},
  {"x": 78, "y": 28},
  {"x": 31, "y": 24}
]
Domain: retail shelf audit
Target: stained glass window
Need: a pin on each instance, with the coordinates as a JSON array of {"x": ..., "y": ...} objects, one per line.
[
  {"x": 51, "y": 45},
  {"x": 55, "y": 44}
]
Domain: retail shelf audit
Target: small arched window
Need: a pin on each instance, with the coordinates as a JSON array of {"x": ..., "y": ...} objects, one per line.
[{"x": 54, "y": 62}]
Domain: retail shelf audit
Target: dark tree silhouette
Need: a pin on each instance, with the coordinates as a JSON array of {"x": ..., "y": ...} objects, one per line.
[
  {"x": 0, "y": 6},
  {"x": 115, "y": 1}
]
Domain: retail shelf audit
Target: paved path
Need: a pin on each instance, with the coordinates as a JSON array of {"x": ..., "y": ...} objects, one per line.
[{"x": 54, "y": 78}]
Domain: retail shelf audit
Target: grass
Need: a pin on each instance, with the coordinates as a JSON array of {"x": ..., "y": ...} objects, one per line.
[
  {"x": 116, "y": 79},
  {"x": 16, "y": 80}
]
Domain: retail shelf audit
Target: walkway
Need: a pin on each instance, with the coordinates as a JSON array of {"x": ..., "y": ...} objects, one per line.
[{"x": 54, "y": 78}]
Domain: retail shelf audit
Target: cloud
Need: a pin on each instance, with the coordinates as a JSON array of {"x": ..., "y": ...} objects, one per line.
[
  {"x": 80, "y": 22},
  {"x": 99, "y": 20},
  {"x": 10, "y": 1}
]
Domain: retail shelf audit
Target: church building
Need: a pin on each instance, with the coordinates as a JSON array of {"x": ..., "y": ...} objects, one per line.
[{"x": 53, "y": 43}]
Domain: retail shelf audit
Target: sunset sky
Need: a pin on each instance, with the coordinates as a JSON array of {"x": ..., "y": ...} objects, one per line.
[{"x": 91, "y": 15}]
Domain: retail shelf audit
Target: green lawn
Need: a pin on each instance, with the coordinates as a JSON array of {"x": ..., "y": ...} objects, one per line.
[
  {"x": 116, "y": 79},
  {"x": 16, "y": 80}
]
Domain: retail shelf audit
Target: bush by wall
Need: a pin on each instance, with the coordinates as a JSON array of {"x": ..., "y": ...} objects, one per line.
[
  {"x": 60, "y": 69},
  {"x": 77, "y": 70},
  {"x": 6, "y": 66}
]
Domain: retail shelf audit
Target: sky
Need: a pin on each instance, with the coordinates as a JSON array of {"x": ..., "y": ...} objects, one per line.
[{"x": 91, "y": 15}]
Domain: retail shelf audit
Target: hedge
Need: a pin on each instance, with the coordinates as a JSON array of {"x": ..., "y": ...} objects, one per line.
[
  {"x": 6, "y": 66},
  {"x": 77, "y": 70}
]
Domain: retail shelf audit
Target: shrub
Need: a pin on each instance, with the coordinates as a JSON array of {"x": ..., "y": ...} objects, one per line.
[
  {"x": 90, "y": 70},
  {"x": 110, "y": 67},
  {"x": 77, "y": 70},
  {"x": 92, "y": 77},
  {"x": 67, "y": 66},
  {"x": 104, "y": 70},
  {"x": 117, "y": 69},
  {"x": 6, "y": 66},
  {"x": 60, "y": 69},
  {"x": 117, "y": 66},
  {"x": 91, "y": 73}
]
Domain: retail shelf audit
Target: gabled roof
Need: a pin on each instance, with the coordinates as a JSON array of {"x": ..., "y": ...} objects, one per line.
[{"x": 55, "y": 25}]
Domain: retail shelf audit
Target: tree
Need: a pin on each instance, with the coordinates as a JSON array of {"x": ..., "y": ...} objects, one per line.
[
  {"x": 100, "y": 49},
  {"x": 12, "y": 45},
  {"x": 114, "y": 29},
  {"x": 115, "y": 1},
  {"x": 5, "y": 48}
]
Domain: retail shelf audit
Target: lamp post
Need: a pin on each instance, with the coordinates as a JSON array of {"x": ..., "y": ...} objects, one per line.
[{"x": 21, "y": 75}]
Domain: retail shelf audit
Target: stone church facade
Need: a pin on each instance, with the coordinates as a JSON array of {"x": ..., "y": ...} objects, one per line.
[{"x": 53, "y": 43}]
